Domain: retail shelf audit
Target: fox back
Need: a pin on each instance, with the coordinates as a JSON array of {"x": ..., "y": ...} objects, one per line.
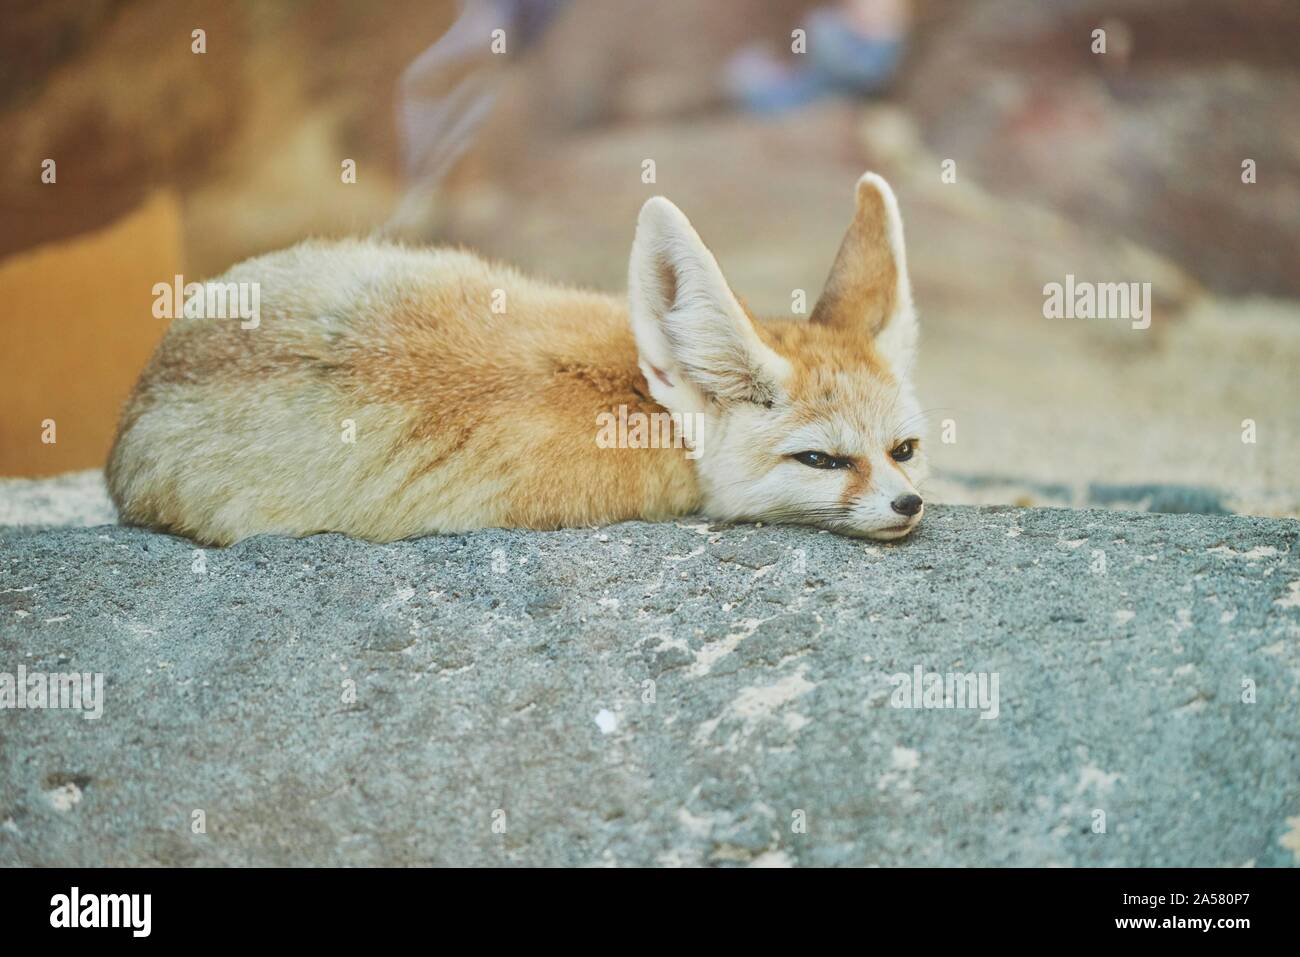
[{"x": 387, "y": 392}]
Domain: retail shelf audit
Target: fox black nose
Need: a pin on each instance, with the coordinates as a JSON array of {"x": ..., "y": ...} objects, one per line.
[{"x": 907, "y": 504}]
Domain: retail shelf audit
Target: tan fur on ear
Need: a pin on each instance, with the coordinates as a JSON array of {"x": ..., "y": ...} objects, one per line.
[
  {"x": 861, "y": 290},
  {"x": 868, "y": 289}
]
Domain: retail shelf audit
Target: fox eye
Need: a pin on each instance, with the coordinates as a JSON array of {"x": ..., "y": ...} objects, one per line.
[
  {"x": 820, "y": 460},
  {"x": 903, "y": 451}
]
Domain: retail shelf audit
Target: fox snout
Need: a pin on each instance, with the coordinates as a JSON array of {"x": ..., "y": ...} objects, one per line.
[
  {"x": 911, "y": 508},
  {"x": 908, "y": 505}
]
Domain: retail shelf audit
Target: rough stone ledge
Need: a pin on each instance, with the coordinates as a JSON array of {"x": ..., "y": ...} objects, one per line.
[{"x": 511, "y": 672}]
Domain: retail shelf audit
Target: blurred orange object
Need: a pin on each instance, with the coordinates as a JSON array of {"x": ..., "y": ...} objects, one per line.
[{"x": 77, "y": 329}]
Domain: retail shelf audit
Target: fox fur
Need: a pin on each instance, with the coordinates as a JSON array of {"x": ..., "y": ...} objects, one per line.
[{"x": 383, "y": 397}]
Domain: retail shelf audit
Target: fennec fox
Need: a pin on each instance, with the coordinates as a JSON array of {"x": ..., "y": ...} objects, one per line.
[{"x": 390, "y": 392}]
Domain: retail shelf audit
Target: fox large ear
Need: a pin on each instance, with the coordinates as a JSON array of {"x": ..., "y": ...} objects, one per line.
[
  {"x": 694, "y": 340},
  {"x": 868, "y": 288}
]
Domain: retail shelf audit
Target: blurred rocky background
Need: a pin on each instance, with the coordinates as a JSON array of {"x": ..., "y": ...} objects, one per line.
[{"x": 1122, "y": 166}]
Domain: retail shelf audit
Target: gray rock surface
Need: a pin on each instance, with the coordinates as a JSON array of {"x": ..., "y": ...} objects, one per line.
[{"x": 662, "y": 694}]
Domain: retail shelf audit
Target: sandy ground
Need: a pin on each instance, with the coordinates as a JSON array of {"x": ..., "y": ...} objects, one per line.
[
  {"x": 75, "y": 498},
  {"x": 1030, "y": 405}
]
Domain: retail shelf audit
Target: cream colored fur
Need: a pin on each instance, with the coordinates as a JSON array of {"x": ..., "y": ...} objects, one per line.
[{"x": 472, "y": 393}]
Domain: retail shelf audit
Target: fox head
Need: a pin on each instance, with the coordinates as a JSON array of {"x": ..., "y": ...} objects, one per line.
[{"x": 811, "y": 422}]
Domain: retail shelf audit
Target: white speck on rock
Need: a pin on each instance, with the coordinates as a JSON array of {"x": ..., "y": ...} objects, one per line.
[
  {"x": 906, "y": 759},
  {"x": 1291, "y": 839},
  {"x": 1292, "y": 598},
  {"x": 772, "y": 859},
  {"x": 794, "y": 721},
  {"x": 716, "y": 650},
  {"x": 755, "y": 703},
  {"x": 1094, "y": 777},
  {"x": 669, "y": 643},
  {"x": 699, "y": 826},
  {"x": 1252, "y": 555},
  {"x": 400, "y": 597},
  {"x": 64, "y": 797},
  {"x": 606, "y": 720}
]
